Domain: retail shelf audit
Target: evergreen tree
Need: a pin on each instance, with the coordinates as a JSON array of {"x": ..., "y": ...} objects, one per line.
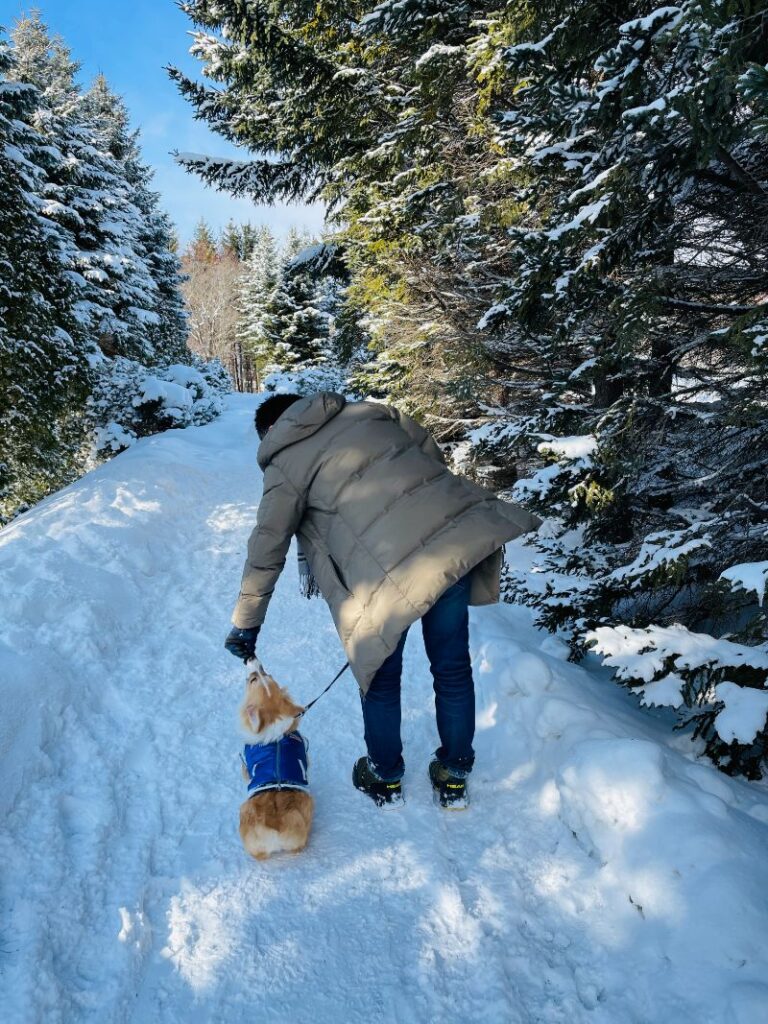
[
  {"x": 231, "y": 242},
  {"x": 43, "y": 370},
  {"x": 554, "y": 219},
  {"x": 94, "y": 199},
  {"x": 164, "y": 316},
  {"x": 256, "y": 330},
  {"x": 237, "y": 241},
  {"x": 203, "y": 248},
  {"x": 248, "y": 238},
  {"x": 89, "y": 272},
  {"x": 296, "y": 325}
]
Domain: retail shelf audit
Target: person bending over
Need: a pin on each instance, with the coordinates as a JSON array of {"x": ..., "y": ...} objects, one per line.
[{"x": 387, "y": 534}]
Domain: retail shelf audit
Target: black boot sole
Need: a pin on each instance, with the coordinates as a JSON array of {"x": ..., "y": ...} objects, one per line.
[
  {"x": 388, "y": 795},
  {"x": 383, "y": 794},
  {"x": 451, "y": 797}
]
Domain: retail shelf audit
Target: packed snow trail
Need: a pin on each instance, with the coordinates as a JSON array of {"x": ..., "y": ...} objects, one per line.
[{"x": 601, "y": 874}]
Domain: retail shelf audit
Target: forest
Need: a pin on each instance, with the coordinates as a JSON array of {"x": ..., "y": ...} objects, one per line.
[{"x": 546, "y": 239}]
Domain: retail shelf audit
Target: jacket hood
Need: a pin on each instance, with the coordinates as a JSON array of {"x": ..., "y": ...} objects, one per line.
[{"x": 300, "y": 420}]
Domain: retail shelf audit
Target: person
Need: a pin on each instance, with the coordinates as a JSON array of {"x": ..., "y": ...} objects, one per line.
[{"x": 388, "y": 535}]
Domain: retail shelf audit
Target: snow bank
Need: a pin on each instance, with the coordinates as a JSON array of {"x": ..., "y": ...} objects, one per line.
[{"x": 600, "y": 876}]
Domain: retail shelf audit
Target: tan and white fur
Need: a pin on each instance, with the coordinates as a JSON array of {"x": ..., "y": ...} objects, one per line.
[{"x": 276, "y": 820}]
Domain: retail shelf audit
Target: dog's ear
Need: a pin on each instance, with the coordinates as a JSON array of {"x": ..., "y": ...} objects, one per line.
[{"x": 252, "y": 714}]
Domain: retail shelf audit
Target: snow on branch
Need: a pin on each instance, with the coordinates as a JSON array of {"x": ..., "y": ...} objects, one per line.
[
  {"x": 725, "y": 681},
  {"x": 749, "y": 576}
]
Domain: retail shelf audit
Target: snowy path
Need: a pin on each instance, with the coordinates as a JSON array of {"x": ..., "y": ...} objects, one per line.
[{"x": 601, "y": 874}]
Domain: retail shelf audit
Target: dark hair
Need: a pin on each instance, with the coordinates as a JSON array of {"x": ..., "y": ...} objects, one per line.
[{"x": 270, "y": 409}]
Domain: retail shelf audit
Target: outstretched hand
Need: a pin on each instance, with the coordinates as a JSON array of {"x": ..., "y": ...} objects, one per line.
[{"x": 242, "y": 642}]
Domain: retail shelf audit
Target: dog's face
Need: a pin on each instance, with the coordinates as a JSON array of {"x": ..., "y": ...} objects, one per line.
[{"x": 268, "y": 711}]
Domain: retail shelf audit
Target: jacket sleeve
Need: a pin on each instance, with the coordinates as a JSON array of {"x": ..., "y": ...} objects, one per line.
[
  {"x": 280, "y": 511},
  {"x": 422, "y": 437}
]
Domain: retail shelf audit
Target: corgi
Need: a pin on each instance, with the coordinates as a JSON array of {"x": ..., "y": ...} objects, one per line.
[{"x": 277, "y": 815}]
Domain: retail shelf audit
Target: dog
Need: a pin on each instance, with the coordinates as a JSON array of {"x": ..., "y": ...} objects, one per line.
[{"x": 277, "y": 816}]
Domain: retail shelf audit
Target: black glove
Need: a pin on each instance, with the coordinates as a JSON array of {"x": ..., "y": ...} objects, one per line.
[{"x": 242, "y": 642}]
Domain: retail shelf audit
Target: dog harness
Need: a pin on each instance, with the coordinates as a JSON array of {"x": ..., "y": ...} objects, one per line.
[{"x": 278, "y": 765}]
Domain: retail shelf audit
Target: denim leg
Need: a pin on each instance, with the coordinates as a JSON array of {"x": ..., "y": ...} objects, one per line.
[
  {"x": 446, "y": 639},
  {"x": 381, "y": 717}
]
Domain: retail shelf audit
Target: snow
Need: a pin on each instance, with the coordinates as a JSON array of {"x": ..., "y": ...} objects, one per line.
[
  {"x": 436, "y": 51},
  {"x": 657, "y": 551},
  {"x": 582, "y": 368},
  {"x": 526, "y": 49},
  {"x": 113, "y": 437},
  {"x": 642, "y": 653},
  {"x": 306, "y": 255},
  {"x": 665, "y": 18},
  {"x": 576, "y": 447},
  {"x": 184, "y": 376},
  {"x": 586, "y": 215},
  {"x": 744, "y": 712},
  {"x": 750, "y": 576},
  {"x": 173, "y": 396},
  {"x": 657, "y": 105},
  {"x": 601, "y": 875},
  {"x": 542, "y": 481},
  {"x": 665, "y": 692},
  {"x": 574, "y": 455}
]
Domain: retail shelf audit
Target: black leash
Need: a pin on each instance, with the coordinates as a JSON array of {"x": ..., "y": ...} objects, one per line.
[{"x": 338, "y": 675}]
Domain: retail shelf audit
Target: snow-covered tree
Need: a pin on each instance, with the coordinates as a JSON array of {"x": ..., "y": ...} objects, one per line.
[
  {"x": 258, "y": 281},
  {"x": 90, "y": 273},
  {"x": 94, "y": 199},
  {"x": 554, "y": 219},
  {"x": 296, "y": 324},
  {"x": 636, "y": 294},
  {"x": 43, "y": 368},
  {"x": 165, "y": 319}
]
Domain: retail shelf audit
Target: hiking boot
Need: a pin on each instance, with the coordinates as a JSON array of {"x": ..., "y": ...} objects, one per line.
[
  {"x": 450, "y": 790},
  {"x": 380, "y": 791}
]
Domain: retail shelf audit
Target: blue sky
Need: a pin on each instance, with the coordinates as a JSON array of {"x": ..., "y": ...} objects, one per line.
[{"x": 131, "y": 42}]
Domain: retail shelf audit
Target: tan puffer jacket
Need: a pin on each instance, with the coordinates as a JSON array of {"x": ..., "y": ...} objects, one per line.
[{"x": 385, "y": 526}]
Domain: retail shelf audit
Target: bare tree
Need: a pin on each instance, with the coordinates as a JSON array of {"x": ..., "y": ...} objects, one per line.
[{"x": 211, "y": 292}]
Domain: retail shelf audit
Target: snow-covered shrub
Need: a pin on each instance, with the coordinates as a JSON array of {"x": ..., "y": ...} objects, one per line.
[
  {"x": 130, "y": 400},
  {"x": 307, "y": 380},
  {"x": 652, "y": 603},
  {"x": 720, "y": 686}
]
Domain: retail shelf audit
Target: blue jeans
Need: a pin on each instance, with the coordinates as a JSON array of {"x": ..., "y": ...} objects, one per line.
[{"x": 446, "y": 640}]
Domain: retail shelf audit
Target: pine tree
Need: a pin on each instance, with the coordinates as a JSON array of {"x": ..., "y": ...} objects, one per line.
[
  {"x": 231, "y": 242},
  {"x": 43, "y": 369},
  {"x": 94, "y": 199},
  {"x": 203, "y": 248},
  {"x": 554, "y": 219},
  {"x": 164, "y": 318},
  {"x": 256, "y": 330},
  {"x": 395, "y": 151},
  {"x": 90, "y": 274},
  {"x": 296, "y": 325},
  {"x": 636, "y": 294},
  {"x": 248, "y": 238}
]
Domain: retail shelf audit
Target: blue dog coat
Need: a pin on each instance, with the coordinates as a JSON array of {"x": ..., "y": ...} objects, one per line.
[{"x": 278, "y": 765}]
